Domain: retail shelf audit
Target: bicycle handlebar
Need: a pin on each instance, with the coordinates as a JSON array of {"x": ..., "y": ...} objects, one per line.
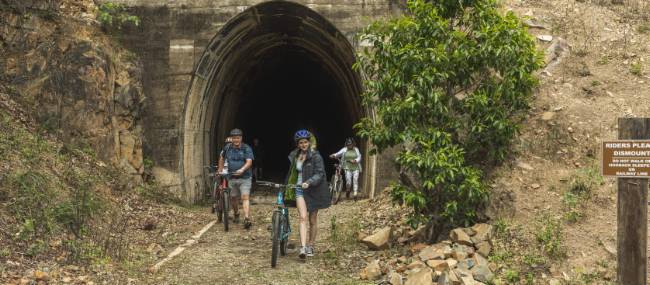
[{"x": 276, "y": 185}]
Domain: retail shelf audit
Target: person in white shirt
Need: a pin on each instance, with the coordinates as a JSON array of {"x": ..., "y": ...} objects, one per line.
[{"x": 350, "y": 157}]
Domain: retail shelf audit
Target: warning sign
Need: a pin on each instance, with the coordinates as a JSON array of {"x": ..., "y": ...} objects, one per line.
[{"x": 626, "y": 158}]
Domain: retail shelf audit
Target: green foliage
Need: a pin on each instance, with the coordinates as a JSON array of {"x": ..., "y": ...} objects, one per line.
[
  {"x": 115, "y": 16},
  {"x": 550, "y": 237},
  {"x": 636, "y": 69},
  {"x": 511, "y": 275},
  {"x": 449, "y": 81}
]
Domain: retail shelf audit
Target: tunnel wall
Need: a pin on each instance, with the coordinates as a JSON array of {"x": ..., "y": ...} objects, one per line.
[{"x": 171, "y": 40}]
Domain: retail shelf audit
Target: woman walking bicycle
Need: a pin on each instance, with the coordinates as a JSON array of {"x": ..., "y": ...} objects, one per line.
[
  {"x": 308, "y": 171},
  {"x": 351, "y": 162}
]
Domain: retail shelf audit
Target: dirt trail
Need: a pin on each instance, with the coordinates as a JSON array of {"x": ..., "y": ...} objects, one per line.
[{"x": 243, "y": 256}]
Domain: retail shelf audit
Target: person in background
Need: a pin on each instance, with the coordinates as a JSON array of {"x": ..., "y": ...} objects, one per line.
[
  {"x": 258, "y": 164},
  {"x": 351, "y": 163}
]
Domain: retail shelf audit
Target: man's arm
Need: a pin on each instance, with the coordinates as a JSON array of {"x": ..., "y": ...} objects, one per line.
[{"x": 220, "y": 163}]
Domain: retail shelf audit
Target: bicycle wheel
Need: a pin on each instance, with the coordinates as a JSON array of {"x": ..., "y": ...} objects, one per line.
[
  {"x": 285, "y": 240},
  {"x": 225, "y": 198},
  {"x": 334, "y": 188},
  {"x": 339, "y": 188},
  {"x": 275, "y": 235}
]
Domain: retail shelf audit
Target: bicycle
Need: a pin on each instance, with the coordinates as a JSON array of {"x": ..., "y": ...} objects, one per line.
[
  {"x": 336, "y": 183},
  {"x": 221, "y": 196},
  {"x": 280, "y": 227}
]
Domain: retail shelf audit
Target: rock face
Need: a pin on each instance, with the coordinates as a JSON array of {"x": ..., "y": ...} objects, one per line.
[
  {"x": 76, "y": 83},
  {"x": 379, "y": 240}
]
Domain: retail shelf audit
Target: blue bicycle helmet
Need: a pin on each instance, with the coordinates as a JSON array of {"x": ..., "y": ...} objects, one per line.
[{"x": 302, "y": 134}]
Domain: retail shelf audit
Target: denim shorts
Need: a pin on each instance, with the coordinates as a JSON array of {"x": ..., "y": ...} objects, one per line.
[
  {"x": 299, "y": 192},
  {"x": 240, "y": 186}
]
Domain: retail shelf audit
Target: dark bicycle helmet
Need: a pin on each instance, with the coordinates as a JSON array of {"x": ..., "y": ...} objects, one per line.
[
  {"x": 236, "y": 132},
  {"x": 349, "y": 141},
  {"x": 302, "y": 134}
]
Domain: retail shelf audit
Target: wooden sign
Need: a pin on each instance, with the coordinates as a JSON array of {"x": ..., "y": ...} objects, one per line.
[{"x": 626, "y": 158}]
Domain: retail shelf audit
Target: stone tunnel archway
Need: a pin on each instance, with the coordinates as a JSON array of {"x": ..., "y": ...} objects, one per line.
[{"x": 273, "y": 68}]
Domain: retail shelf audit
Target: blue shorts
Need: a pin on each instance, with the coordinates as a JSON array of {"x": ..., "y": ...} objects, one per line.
[{"x": 299, "y": 192}]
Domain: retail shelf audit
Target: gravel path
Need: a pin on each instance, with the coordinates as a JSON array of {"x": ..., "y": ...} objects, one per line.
[{"x": 244, "y": 256}]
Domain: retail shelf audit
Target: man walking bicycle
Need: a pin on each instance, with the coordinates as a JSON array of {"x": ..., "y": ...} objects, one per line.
[{"x": 239, "y": 157}]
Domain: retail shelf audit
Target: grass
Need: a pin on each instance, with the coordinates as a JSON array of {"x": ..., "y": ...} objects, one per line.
[
  {"x": 343, "y": 236},
  {"x": 582, "y": 184},
  {"x": 643, "y": 28},
  {"x": 51, "y": 195},
  {"x": 550, "y": 238},
  {"x": 636, "y": 69},
  {"x": 511, "y": 276}
]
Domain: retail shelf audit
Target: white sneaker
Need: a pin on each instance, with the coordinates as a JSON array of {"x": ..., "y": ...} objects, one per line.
[
  {"x": 310, "y": 251},
  {"x": 303, "y": 252}
]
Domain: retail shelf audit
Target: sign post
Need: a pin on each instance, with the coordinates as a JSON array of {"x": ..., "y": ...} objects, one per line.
[{"x": 629, "y": 160}]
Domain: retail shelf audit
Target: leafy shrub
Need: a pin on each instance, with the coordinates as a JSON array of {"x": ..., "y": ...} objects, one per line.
[
  {"x": 115, "y": 16},
  {"x": 82, "y": 204},
  {"x": 449, "y": 81}
]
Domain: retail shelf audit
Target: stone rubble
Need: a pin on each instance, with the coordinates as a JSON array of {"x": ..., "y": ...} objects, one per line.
[{"x": 461, "y": 260}]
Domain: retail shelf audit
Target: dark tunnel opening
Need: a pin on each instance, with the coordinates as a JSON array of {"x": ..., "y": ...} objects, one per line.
[{"x": 285, "y": 91}]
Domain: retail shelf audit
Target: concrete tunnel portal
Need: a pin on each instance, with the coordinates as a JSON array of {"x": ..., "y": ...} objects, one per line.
[{"x": 274, "y": 68}]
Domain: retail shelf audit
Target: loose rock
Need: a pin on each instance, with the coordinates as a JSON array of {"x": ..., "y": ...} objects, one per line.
[
  {"x": 438, "y": 265},
  {"x": 372, "y": 271},
  {"x": 422, "y": 277},
  {"x": 484, "y": 248},
  {"x": 483, "y": 232},
  {"x": 379, "y": 240},
  {"x": 461, "y": 237},
  {"x": 396, "y": 279},
  {"x": 436, "y": 251}
]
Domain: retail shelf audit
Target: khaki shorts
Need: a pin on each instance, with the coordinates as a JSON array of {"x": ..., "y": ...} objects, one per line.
[{"x": 240, "y": 186}]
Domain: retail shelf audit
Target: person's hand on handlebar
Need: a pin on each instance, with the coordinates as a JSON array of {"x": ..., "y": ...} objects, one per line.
[
  {"x": 332, "y": 156},
  {"x": 304, "y": 185}
]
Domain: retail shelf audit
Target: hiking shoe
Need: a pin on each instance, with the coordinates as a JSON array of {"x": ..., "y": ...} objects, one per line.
[
  {"x": 236, "y": 219},
  {"x": 219, "y": 217},
  {"x": 247, "y": 223},
  {"x": 310, "y": 251},
  {"x": 303, "y": 252}
]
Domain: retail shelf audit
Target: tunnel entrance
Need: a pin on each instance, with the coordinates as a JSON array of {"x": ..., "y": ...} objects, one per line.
[
  {"x": 274, "y": 68},
  {"x": 287, "y": 91}
]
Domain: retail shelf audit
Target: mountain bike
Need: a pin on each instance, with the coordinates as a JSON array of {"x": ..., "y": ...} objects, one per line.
[
  {"x": 280, "y": 227},
  {"x": 336, "y": 182},
  {"x": 221, "y": 195}
]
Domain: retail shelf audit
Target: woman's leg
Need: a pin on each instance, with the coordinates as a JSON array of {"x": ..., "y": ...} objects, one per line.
[
  {"x": 348, "y": 180},
  {"x": 355, "y": 180},
  {"x": 302, "y": 214},
  {"x": 313, "y": 227}
]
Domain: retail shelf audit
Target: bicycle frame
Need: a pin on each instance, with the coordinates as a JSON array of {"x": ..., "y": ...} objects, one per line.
[{"x": 284, "y": 211}]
